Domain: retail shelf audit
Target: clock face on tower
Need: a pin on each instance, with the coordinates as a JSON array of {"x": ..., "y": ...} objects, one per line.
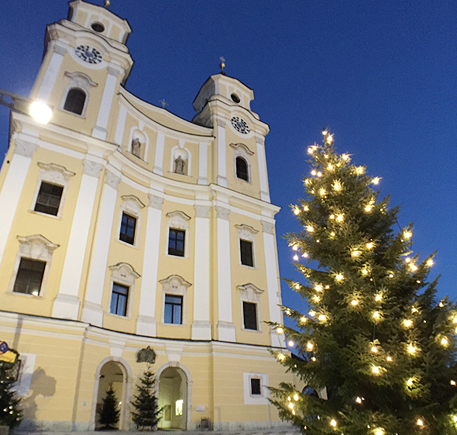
[
  {"x": 88, "y": 54},
  {"x": 240, "y": 125}
]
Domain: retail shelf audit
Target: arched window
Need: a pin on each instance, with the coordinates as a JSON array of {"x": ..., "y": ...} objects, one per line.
[
  {"x": 242, "y": 169},
  {"x": 75, "y": 101}
]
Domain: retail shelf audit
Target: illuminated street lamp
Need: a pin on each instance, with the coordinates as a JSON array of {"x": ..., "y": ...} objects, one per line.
[{"x": 39, "y": 111}]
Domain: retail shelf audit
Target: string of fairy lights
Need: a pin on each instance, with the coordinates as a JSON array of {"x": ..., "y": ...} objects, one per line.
[{"x": 356, "y": 301}]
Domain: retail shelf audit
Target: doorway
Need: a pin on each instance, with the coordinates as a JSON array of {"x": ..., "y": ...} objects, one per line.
[{"x": 173, "y": 399}]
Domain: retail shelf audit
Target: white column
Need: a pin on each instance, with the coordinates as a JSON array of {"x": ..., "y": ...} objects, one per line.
[
  {"x": 66, "y": 305},
  {"x": 271, "y": 266},
  {"x": 12, "y": 188},
  {"x": 203, "y": 163},
  {"x": 120, "y": 125},
  {"x": 264, "y": 194},
  {"x": 99, "y": 130},
  {"x": 147, "y": 323},
  {"x": 201, "y": 326},
  {"x": 158, "y": 164},
  {"x": 221, "y": 155},
  {"x": 225, "y": 327},
  {"x": 93, "y": 309},
  {"x": 51, "y": 74}
]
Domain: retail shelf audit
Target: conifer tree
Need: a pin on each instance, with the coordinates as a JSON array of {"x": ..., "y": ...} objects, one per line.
[
  {"x": 374, "y": 342},
  {"x": 109, "y": 415},
  {"x": 10, "y": 411},
  {"x": 146, "y": 414}
]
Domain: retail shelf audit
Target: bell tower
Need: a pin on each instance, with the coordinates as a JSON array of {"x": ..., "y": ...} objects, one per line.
[{"x": 85, "y": 62}]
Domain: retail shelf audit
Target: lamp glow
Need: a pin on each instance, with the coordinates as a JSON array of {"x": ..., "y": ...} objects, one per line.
[
  {"x": 339, "y": 277},
  {"x": 40, "y": 112},
  {"x": 309, "y": 346},
  {"x": 333, "y": 422}
]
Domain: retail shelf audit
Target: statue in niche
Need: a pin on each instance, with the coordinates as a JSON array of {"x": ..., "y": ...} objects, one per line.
[
  {"x": 136, "y": 147},
  {"x": 180, "y": 164}
]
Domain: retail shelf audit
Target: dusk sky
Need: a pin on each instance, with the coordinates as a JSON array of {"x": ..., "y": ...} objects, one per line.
[{"x": 381, "y": 74}]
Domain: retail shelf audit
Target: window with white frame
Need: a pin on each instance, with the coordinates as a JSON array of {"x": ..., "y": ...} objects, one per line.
[
  {"x": 174, "y": 296},
  {"x": 250, "y": 306},
  {"x": 123, "y": 277},
  {"x": 246, "y": 237},
  {"x": 77, "y": 93},
  {"x": 32, "y": 265},
  {"x": 51, "y": 189},
  {"x": 178, "y": 234},
  {"x": 241, "y": 164},
  {"x": 130, "y": 219},
  {"x": 256, "y": 388}
]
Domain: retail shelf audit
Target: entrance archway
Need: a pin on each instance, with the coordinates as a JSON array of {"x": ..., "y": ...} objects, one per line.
[
  {"x": 173, "y": 398},
  {"x": 112, "y": 373}
]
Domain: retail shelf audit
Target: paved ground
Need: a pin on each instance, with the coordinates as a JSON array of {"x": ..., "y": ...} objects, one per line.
[{"x": 277, "y": 431}]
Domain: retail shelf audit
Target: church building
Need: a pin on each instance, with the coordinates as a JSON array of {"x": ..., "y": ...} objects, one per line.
[{"x": 127, "y": 231}]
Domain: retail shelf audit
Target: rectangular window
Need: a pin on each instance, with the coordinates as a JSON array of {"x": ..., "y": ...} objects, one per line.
[
  {"x": 250, "y": 316},
  {"x": 119, "y": 299},
  {"x": 246, "y": 253},
  {"x": 173, "y": 309},
  {"x": 255, "y": 387},
  {"x": 48, "y": 199},
  {"x": 29, "y": 277},
  {"x": 128, "y": 226},
  {"x": 176, "y": 242}
]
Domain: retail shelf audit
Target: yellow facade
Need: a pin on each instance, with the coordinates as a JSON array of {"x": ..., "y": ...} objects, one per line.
[{"x": 125, "y": 227}]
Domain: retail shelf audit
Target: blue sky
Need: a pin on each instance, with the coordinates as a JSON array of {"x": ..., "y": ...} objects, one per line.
[{"x": 381, "y": 74}]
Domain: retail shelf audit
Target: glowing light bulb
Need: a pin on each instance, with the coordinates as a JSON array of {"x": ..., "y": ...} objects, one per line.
[
  {"x": 309, "y": 228},
  {"x": 408, "y": 323},
  {"x": 322, "y": 317},
  {"x": 368, "y": 208},
  {"x": 306, "y": 181},
  {"x": 325, "y": 132},
  {"x": 410, "y": 382},
  {"x": 281, "y": 357},
  {"x": 303, "y": 319},
  {"x": 317, "y": 298},
  {"x": 296, "y": 211},
  {"x": 414, "y": 310},
  {"x": 375, "y": 180},
  {"x": 407, "y": 234},
  {"x": 319, "y": 174},
  {"x": 330, "y": 167},
  {"x": 322, "y": 192},
  {"x": 358, "y": 400},
  {"x": 379, "y": 431},
  {"x": 454, "y": 320},
  {"x": 444, "y": 342},
  {"x": 411, "y": 349},
  {"x": 313, "y": 172},
  {"x": 333, "y": 422},
  {"x": 365, "y": 271},
  {"x": 389, "y": 359},
  {"x": 291, "y": 405},
  {"x": 295, "y": 257},
  {"x": 296, "y": 397},
  {"x": 430, "y": 263},
  {"x": 419, "y": 422},
  {"x": 313, "y": 359},
  {"x": 305, "y": 255},
  {"x": 408, "y": 260},
  {"x": 360, "y": 170},
  {"x": 370, "y": 245},
  {"x": 354, "y": 302},
  {"x": 329, "y": 138},
  {"x": 355, "y": 253},
  {"x": 441, "y": 304},
  {"x": 311, "y": 149},
  {"x": 345, "y": 157},
  {"x": 318, "y": 287},
  {"x": 339, "y": 277},
  {"x": 391, "y": 275},
  {"x": 287, "y": 312},
  {"x": 332, "y": 216},
  {"x": 40, "y": 112},
  {"x": 312, "y": 313},
  {"x": 340, "y": 218},
  {"x": 378, "y": 297},
  {"x": 376, "y": 315},
  {"x": 295, "y": 248},
  {"x": 374, "y": 349},
  {"x": 290, "y": 343},
  {"x": 337, "y": 186},
  {"x": 305, "y": 208},
  {"x": 375, "y": 370},
  {"x": 309, "y": 346},
  {"x": 453, "y": 383},
  {"x": 413, "y": 267}
]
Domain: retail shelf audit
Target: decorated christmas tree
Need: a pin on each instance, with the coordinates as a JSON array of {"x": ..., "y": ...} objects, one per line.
[
  {"x": 10, "y": 411},
  {"x": 146, "y": 414},
  {"x": 109, "y": 415},
  {"x": 376, "y": 348}
]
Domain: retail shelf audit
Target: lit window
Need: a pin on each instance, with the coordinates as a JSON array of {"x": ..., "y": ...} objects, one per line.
[
  {"x": 242, "y": 169},
  {"x": 246, "y": 253},
  {"x": 128, "y": 226},
  {"x": 173, "y": 309},
  {"x": 29, "y": 277},
  {"x": 48, "y": 199},
  {"x": 176, "y": 242},
  {"x": 75, "y": 100},
  {"x": 250, "y": 315},
  {"x": 119, "y": 298},
  {"x": 255, "y": 387}
]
